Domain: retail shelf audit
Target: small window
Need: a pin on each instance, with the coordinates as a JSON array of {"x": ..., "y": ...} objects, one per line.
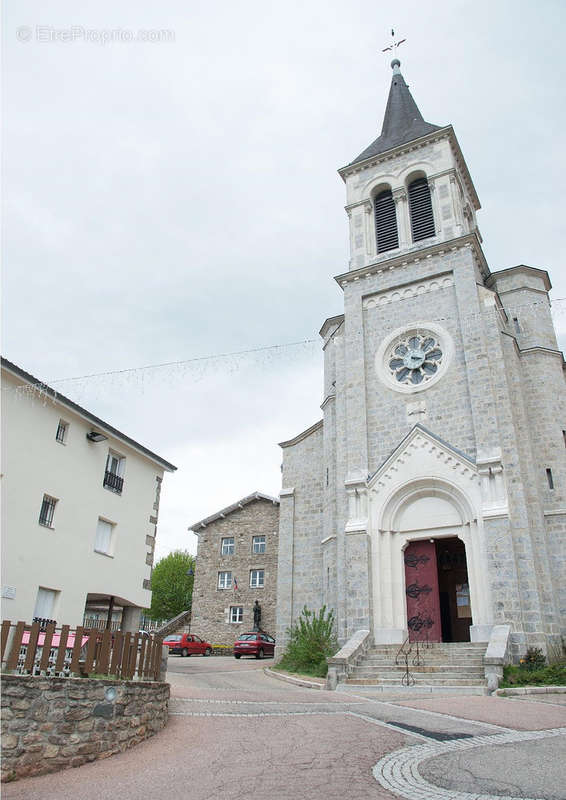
[
  {"x": 549, "y": 478},
  {"x": 227, "y": 548},
  {"x": 114, "y": 472},
  {"x": 420, "y": 210},
  {"x": 104, "y": 536},
  {"x": 45, "y": 604},
  {"x": 47, "y": 511},
  {"x": 236, "y": 614},
  {"x": 385, "y": 222},
  {"x": 256, "y": 579},
  {"x": 259, "y": 544},
  {"x": 224, "y": 580},
  {"x": 62, "y": 428}
]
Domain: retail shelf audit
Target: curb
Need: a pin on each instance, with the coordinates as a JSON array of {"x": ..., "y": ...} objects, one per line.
[
  {"x": 296, "y": 681},
  {"x": 530, "y": 690}
]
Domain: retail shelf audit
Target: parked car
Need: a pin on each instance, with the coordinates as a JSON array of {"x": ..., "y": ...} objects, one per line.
[
  {"x": 254, "y": 644},
  {"x": 187, "y": 644}
]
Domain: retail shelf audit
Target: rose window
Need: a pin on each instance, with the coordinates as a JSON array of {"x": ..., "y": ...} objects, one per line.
[{"x": 415, "y": 358}]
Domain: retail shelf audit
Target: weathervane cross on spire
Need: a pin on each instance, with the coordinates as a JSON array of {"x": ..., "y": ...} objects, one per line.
[{"x": 393, "y": 47}]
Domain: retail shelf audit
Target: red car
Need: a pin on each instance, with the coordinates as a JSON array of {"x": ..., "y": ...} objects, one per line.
[
  {"x": 254, "y": 644},
  {"x": 187, "y": 644}
]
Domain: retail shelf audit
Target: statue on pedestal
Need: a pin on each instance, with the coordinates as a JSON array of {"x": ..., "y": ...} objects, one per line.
[{"x": 257, "y": 616}]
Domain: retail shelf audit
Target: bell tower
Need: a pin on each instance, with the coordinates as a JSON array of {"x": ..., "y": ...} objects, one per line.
[{"x": 410, "y": 188}]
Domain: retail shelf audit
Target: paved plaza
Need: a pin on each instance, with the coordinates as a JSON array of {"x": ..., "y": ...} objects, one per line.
[{"x": 235, "y": 731}]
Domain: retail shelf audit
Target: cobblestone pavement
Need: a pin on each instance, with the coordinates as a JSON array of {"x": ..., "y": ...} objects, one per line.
[{"x": 235, "y": 731}]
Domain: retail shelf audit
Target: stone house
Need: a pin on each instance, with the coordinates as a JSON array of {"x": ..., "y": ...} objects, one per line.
[
  {"x": 236, "y": 564},
  {"x": 430, "y": 500},
  {"x": 80, "y": 503}
]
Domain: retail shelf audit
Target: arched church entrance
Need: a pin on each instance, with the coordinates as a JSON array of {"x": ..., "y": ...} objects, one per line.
[
  {"x": 437, "y": 590},
  {"x": 429, "y": 573}
]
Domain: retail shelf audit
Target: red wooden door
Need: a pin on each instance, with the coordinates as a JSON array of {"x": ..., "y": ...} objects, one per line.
[{"x": 421, "y": 588}]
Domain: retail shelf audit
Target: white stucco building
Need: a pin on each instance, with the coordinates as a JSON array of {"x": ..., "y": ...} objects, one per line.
[
  {"x": 80, "y": 502},
  {"x": 430, "y": 500}
]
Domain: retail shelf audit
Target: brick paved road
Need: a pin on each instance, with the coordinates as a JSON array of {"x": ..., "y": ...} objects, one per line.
[{"x": 235, "y": 732}]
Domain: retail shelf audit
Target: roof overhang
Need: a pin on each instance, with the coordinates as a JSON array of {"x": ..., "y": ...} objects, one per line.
[
  {"x": 521, "y": 269},
  {"x": 56, "y": 397},
  {"x": 303, "y": 435},
  {"x": 444, "y": 133},
  {"x": 250, "y": 498}
]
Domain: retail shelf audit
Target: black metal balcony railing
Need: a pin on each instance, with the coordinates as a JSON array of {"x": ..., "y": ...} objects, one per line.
[
  {"x": 43, "y": 623},
  {"x": 113, "y": 482}
]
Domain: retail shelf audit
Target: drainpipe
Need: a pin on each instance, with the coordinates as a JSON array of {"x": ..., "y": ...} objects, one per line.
[{"x": 110, "y": 610}]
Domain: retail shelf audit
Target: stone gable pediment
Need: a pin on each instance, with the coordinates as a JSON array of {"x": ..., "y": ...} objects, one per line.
[{"x": 420, "y": 454}]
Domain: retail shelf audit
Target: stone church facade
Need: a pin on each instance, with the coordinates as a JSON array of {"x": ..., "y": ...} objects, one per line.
[{"x": 430, "y": 500}]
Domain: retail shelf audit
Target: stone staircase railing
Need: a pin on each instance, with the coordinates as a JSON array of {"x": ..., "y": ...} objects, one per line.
[
  {"x": 174, "y": 623},
  {"x": 497, "y": 655},
  {"x": 340, "y": 665}
]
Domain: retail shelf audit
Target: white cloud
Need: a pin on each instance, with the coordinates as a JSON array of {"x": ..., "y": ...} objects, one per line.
[{"x": 165, "y": 201}]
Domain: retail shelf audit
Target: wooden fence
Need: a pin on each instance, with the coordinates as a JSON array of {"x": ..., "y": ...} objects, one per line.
[{"x": 63, "y": 652}]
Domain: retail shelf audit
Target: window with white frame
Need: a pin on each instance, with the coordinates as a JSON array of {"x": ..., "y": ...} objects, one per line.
[
  {"x": 103, "y": 542},
  {"x": 62, "y": 428},
  {"x": 224, "y": 580},
  {"x": 236, "y": 614},
  {"x": 227, "y": 548},
  {"x": 45, "y": 603},
  {"x": 258, "y": 545},
  {"x": 47, "y": 511},
  {"x": 114, "y": 472},
  {"x": 256, "y": 579}
]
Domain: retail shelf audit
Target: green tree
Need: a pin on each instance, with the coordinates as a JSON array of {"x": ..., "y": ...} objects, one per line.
[{"x": 172, "y": 585}]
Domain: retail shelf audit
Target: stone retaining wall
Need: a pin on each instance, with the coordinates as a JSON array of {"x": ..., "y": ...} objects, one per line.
[{"x": 50, "y": 724}]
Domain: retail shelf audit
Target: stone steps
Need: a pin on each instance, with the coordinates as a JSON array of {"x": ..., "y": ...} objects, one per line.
[
  {"x": 426, "y": 681},
  {"x": 459, "y": 669},
  {"x": 385, "y": 662},
  {"x": 441, "y": 665}
]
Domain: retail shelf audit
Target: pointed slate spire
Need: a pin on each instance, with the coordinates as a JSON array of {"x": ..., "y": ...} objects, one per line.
[{"x": 402, "y": 122}]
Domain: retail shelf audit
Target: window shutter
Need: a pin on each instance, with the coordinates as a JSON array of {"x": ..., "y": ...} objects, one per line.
[
  {"x": 44, "y": 603},
  {"x": 385, "y": 222},
  {"x": 420, "y": 210},
  {"x": 103, "y": 534}
]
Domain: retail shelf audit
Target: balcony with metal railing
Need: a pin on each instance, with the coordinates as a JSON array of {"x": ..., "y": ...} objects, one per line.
[{"x": 113, "y": 482}]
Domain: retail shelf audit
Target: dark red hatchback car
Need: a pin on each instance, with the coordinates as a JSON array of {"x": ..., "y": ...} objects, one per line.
[
  {"x": 254, "y": 644},
  {"x": 187, "y": 644}
]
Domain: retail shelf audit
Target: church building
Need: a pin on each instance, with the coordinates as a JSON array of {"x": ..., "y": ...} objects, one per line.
[{"x": 430, "y": 500}]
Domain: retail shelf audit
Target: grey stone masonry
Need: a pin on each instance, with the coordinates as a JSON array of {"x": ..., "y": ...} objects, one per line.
[
  {"x": 444, "y": 419},
  {"x": 49, "y": 724},
  {"x": 214, "y": 608}
]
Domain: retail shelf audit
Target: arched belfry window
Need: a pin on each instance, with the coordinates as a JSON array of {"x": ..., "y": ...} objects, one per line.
[
  {"x": 420, "y": 210},
  {"x": 385, "y": 222}
]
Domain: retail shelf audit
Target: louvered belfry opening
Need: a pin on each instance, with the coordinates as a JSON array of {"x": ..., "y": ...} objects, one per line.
[
  {"x": 420, "y": 209},
  {"x": 385, "y": 222}
]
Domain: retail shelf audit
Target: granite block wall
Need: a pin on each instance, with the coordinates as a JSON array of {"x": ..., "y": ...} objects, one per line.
[
  {"x": 211, "y": 605},
  {"x": 49, "y": 724}
]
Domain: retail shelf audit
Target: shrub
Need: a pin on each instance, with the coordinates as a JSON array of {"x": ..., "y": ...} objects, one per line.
[
  {"x": 534, "y": 659},
  {"x": 311, "y": 642},
  {"x": 554, "y": 675}
]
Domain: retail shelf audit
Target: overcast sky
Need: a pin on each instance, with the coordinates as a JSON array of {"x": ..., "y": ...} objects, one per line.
[{"x": 170, "y": 199}]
